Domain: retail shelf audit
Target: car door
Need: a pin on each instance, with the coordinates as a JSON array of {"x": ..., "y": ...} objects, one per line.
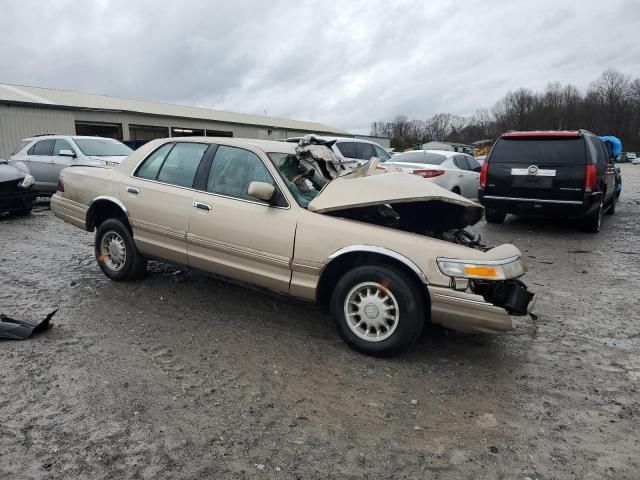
[
  {"x": 237, "y": 236},
  {"x": 465, "y": 179},
  {"x": 474, "y": 175},
  {"x": 39, "y": 163},
  {"x": 57, "y": 162},
  {"x": 159, "y": 198},
  {"x": 608, "y": 170}
]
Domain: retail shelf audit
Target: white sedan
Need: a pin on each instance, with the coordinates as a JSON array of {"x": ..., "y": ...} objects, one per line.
[{"x": 455, "y": 171}]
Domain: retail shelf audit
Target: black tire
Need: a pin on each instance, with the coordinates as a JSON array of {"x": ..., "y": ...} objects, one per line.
[
  {"x": 134, "y": 265},
  {"x": 410, "y": 310},
  {"x": 612, "y": 205},
  {"x": 25, "y": 210},
  {"x": 494, "y": 216},
  {"x": 593, "y": 222}
]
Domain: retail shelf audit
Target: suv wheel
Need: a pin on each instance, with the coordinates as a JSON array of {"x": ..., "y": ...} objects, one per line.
[
  {"x": 116, "y": 253},
  {"x": 494, "y": 216},
  {"x": 593, "y": 222},
  {"x": 612, "y": 205},
  {"x": 377, "y": 310}
]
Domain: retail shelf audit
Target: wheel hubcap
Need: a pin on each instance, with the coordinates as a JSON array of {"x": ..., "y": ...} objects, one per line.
[
  {"x": 371, "y": 311},
  {"x": 113, "y": 251}
]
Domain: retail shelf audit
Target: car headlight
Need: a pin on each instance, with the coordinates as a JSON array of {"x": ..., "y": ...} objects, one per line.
[
  {"x": 27, "y": 181},
  {"x": 512, "y": 267}
]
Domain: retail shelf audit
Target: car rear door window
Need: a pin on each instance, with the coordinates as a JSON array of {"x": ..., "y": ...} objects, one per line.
[
  {"x": 347, "y": 149},
  {"x": 474, "y": 165},
  {"x": 364, "y": 151},
  {"x": 61, "y": 144},
  {"x": 461, "y": 162},
  {"x": 232, "y": 171},
  {"x": 181, "y": 164},
  {"x": 43, "y": 147},
  {"x": 151, "y": 166}
]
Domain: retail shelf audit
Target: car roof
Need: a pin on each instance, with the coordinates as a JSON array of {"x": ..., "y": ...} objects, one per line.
[
  {"x": 46, "y": 136},
  {"x": 545, "y": 133}
]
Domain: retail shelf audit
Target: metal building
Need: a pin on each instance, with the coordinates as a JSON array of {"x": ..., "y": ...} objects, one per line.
[{"x": 27, "y": 111}]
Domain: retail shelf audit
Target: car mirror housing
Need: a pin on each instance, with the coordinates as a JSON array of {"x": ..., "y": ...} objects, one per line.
[
  {"x": 262, "y": 191},
  {"x": 66, "y": 153}
]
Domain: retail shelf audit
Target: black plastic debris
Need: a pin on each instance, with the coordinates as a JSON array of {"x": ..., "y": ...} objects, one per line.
[{"x": 14, "y": 329}]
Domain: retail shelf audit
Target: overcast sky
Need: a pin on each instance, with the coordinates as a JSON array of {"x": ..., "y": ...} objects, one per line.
[{"x": 342, "y": 63}]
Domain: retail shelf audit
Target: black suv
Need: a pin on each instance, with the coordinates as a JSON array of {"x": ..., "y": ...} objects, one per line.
[{"x": 553, "y": 173}]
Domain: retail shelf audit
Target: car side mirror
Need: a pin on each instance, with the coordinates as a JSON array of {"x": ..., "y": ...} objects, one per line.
[
  {"x": 262, "y": 191},
  {"x": 66, "y": 153}
]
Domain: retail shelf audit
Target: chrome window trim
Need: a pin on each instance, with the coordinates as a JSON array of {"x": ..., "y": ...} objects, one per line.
[
  {"x": 533, "y": 200},
  {"x": 135, "y": 169},
  {"x": 504, "y": 261},
  {"x": 381, "y": 251}
]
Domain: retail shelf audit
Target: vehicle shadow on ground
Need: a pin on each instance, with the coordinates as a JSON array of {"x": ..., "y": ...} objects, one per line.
[{"x": 278, "y": 312}]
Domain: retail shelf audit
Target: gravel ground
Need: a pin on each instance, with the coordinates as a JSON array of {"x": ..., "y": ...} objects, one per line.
[{"x": 185, "y": 376}]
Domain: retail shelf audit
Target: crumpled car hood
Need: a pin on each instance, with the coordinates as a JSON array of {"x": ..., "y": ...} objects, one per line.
[{"x": 354, "y": 191}]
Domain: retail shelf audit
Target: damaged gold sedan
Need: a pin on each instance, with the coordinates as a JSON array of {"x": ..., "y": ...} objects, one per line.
[{"x": 385, "y": 251}]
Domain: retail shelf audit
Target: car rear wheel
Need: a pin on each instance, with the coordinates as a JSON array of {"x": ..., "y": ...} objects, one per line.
[
  {"x": 612, "y": 205},
  {"x": 116, "y": 252},
  {"x": 593, "y": 222},
  {"x": 495, "y": 216},
  {"x": 378, "y": 310}
]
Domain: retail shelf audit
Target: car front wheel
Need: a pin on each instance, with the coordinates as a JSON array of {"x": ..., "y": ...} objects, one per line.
[
  {"x": 116, "y": 252},
  {"x": 378, "y": 310}
]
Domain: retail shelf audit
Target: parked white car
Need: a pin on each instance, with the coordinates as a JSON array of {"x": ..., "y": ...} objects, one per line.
[
  {"x": 44, "y": 156},
  {"x": 354, "y": 152},
  {"x": 457, "y": 172}
]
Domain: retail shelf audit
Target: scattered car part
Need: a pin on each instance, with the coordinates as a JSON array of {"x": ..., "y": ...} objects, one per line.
[{"x": 15, "y": 329}]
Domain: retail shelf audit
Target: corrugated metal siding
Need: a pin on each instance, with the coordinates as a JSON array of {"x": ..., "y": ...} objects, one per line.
[
  {"x": 80, "y": 100},
  {"x": 17, "y": 123}
]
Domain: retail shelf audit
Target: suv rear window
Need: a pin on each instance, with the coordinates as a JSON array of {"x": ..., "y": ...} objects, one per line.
[{"x": 534, "y": 151}]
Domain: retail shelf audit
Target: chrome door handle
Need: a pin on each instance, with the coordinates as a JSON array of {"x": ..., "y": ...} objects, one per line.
[
  {"x": 202, "y": 206},
  {"x": 133, "y": 190}
]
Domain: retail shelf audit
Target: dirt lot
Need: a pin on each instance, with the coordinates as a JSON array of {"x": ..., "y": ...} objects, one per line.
[{"x": 184, "y": 376}]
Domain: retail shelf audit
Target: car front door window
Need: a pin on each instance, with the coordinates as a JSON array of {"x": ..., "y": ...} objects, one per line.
[
  {"x": 232, "y": 171},
  {"x": 59, "y": 145}
]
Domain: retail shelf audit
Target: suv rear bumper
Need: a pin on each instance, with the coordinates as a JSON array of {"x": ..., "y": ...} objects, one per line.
[{"x": 538, "y": 206}]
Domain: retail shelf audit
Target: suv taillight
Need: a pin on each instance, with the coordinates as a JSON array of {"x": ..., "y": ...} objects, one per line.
[
  {"x": 428, "y": 173},
  {"x": 483, "y": 174},
  {"x": 60, "y": 186},
  {"x": 590, "y": 179}
]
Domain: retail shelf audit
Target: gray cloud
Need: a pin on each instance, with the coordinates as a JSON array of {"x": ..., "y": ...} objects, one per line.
[{"x": 342, "y": 63}]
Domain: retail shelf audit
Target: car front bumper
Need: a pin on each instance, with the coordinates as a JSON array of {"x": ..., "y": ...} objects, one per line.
[
  {"x": 468, "y": 312},
  {"x": 16, "y": 198}
]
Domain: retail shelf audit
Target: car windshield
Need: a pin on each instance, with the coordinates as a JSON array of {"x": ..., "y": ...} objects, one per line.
[
  {"x": 102, "y": 147},
  {"x": 298, "y": 177},
  {"x": 419, "y": 157}
]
